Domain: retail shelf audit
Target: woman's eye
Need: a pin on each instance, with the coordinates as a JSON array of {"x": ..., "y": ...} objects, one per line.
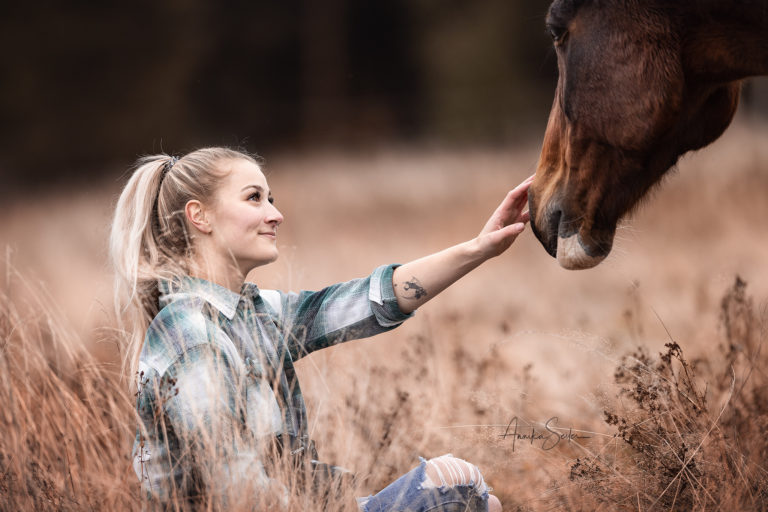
[
  {"x": 271, "y": 200},
  {"x": 255, "y": 196}
]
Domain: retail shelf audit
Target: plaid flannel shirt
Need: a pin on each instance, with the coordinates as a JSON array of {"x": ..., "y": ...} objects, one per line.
[{"x": 216, "y": 364}]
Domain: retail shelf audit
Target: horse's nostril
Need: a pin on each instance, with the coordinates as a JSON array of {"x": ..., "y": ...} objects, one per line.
[
  {"x": 552, "y": 229},
  {"x": 547, "y": 231},
  {"x": 554, "y": 223}
]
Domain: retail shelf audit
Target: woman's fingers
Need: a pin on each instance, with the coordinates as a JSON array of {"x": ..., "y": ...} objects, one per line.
[
  {"x": 508, "y": 221},
  {"x": 498, "y": 241},
  {"x": 515, "y": 228},
  {"x": 511, "y": 208},
  {"x": 522, "y": 188},
  {"x": 515, "y": 201}
]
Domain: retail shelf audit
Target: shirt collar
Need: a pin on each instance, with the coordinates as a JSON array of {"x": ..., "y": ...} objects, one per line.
[{"x": 223, "y": 299}]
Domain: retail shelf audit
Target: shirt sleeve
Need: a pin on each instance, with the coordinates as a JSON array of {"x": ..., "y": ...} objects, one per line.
[
  {"x": 193, "y": 441},
  {"x": 355, "y": 309}
]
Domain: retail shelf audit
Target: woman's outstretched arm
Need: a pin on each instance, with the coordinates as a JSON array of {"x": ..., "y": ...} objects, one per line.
[{"x": 420, "y": 280}]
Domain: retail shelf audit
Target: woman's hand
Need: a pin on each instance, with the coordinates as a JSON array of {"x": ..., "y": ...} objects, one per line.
[
  {"x": 506, "y": 223},
  {"x": 418, "y": 281}
]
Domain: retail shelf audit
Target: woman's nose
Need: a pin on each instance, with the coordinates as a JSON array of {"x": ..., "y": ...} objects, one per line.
[{"x": 275, "y": 216}]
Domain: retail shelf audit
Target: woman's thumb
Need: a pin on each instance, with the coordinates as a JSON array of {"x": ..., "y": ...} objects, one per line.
[{"x": 515, "y": 229}]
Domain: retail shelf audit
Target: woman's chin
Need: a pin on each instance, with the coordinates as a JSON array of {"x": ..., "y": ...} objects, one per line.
[
  {"x": 260, "y": 261},
  {"x": 266, "y": 258}
]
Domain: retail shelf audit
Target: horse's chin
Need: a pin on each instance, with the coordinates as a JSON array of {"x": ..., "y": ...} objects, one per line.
[{"x": 571, "y": 254}]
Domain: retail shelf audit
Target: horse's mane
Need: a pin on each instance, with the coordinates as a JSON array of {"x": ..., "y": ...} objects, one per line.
[{"x": 752, "y": 11}]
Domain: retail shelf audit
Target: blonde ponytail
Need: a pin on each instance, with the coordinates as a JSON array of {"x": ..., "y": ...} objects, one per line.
[{"x": 149, "y": 239}]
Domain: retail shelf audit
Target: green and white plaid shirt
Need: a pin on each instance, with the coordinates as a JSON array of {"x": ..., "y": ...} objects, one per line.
[{"x": 216, "y": 375}]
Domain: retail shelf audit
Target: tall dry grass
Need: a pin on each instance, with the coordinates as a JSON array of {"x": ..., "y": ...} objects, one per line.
[
  {"x": 684, "y": 435},
  {"x": 518, "y": 342},
  {"x": 65, "y": 414},
  {"x": 691, "y": 431}
]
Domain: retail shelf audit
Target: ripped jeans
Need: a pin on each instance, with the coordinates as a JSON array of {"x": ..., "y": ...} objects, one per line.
[{"x": 415, "y": 491}]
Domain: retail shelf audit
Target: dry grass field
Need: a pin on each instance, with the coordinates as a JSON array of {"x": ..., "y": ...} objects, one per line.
[{"x": 652, "y": 366}]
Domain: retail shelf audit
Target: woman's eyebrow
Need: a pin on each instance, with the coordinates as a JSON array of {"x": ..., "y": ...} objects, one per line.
[{"x": 257, "y": 187}]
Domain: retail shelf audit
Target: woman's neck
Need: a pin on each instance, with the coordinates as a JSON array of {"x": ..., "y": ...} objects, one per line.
[{"x": 217, "y": 270}]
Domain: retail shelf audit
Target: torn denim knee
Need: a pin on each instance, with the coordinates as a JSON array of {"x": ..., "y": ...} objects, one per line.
[
  {"x": 460, "y": 487},
  {"x": 451, "y": 472}
]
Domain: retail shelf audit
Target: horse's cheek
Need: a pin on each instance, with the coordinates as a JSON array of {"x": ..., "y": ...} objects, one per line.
[{"x": 712, "y": 118}]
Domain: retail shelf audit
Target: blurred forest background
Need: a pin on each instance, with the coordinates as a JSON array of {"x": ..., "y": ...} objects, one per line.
[{"x": 87, "y": 87}]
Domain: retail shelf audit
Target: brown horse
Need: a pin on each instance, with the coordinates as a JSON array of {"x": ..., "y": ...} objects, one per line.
[{"x": 641, "y": 82}]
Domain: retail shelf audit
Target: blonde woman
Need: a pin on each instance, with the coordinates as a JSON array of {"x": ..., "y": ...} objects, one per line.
[{"x": 222, "y": 422}]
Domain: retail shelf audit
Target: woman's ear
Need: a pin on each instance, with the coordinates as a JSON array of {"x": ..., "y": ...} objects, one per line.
[{"x": 197, "y": 215}]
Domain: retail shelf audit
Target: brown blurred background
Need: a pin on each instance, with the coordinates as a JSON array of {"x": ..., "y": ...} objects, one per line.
[
  {"x": 85, "y": 88},
  {"x": 412, "y": 115}
]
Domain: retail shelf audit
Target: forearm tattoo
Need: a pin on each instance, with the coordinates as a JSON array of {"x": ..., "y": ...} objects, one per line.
[{"x": 413, "y": 289}]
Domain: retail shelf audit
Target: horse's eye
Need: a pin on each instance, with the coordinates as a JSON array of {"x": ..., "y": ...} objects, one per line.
[{"x": 557, "y": 33}]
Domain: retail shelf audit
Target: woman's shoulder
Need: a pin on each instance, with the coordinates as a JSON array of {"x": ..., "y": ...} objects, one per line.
[
  {"x": 181, "y": 316},
  {"x": 274, "y": 300},
  {"x": 178, "y": 328}
]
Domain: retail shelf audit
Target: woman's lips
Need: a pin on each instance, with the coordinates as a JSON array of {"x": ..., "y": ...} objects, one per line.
[{"x": 269, "y": 234}]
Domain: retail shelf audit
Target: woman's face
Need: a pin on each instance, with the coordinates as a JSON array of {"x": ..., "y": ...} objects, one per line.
[{"x": 243, "y": 219}]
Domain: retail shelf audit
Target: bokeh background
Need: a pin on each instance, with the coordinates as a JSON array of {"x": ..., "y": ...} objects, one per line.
[
  {"x": 389, "y": 130},
  {"x": 86, "y": 86}
]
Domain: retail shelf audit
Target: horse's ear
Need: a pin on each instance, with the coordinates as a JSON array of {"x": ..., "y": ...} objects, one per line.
[{"x": 715, "y": 55}]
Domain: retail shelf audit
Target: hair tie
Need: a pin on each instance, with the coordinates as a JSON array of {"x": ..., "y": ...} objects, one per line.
[{"x": 168, "y": 165}]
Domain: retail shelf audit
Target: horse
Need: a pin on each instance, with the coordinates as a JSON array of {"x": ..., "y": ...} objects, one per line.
[{"x": 641, "y": 82}]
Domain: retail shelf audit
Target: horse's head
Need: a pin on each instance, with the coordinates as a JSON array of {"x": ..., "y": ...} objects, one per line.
[{"x": 629, "y": 101}]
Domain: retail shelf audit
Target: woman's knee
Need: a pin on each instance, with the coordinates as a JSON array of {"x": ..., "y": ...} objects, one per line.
[
  {"x": 447, "y": 470},
  {"x": 451, "y": 471}
]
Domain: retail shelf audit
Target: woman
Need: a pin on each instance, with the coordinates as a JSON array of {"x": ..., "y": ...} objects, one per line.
[{"x": 222, "y": 421}]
